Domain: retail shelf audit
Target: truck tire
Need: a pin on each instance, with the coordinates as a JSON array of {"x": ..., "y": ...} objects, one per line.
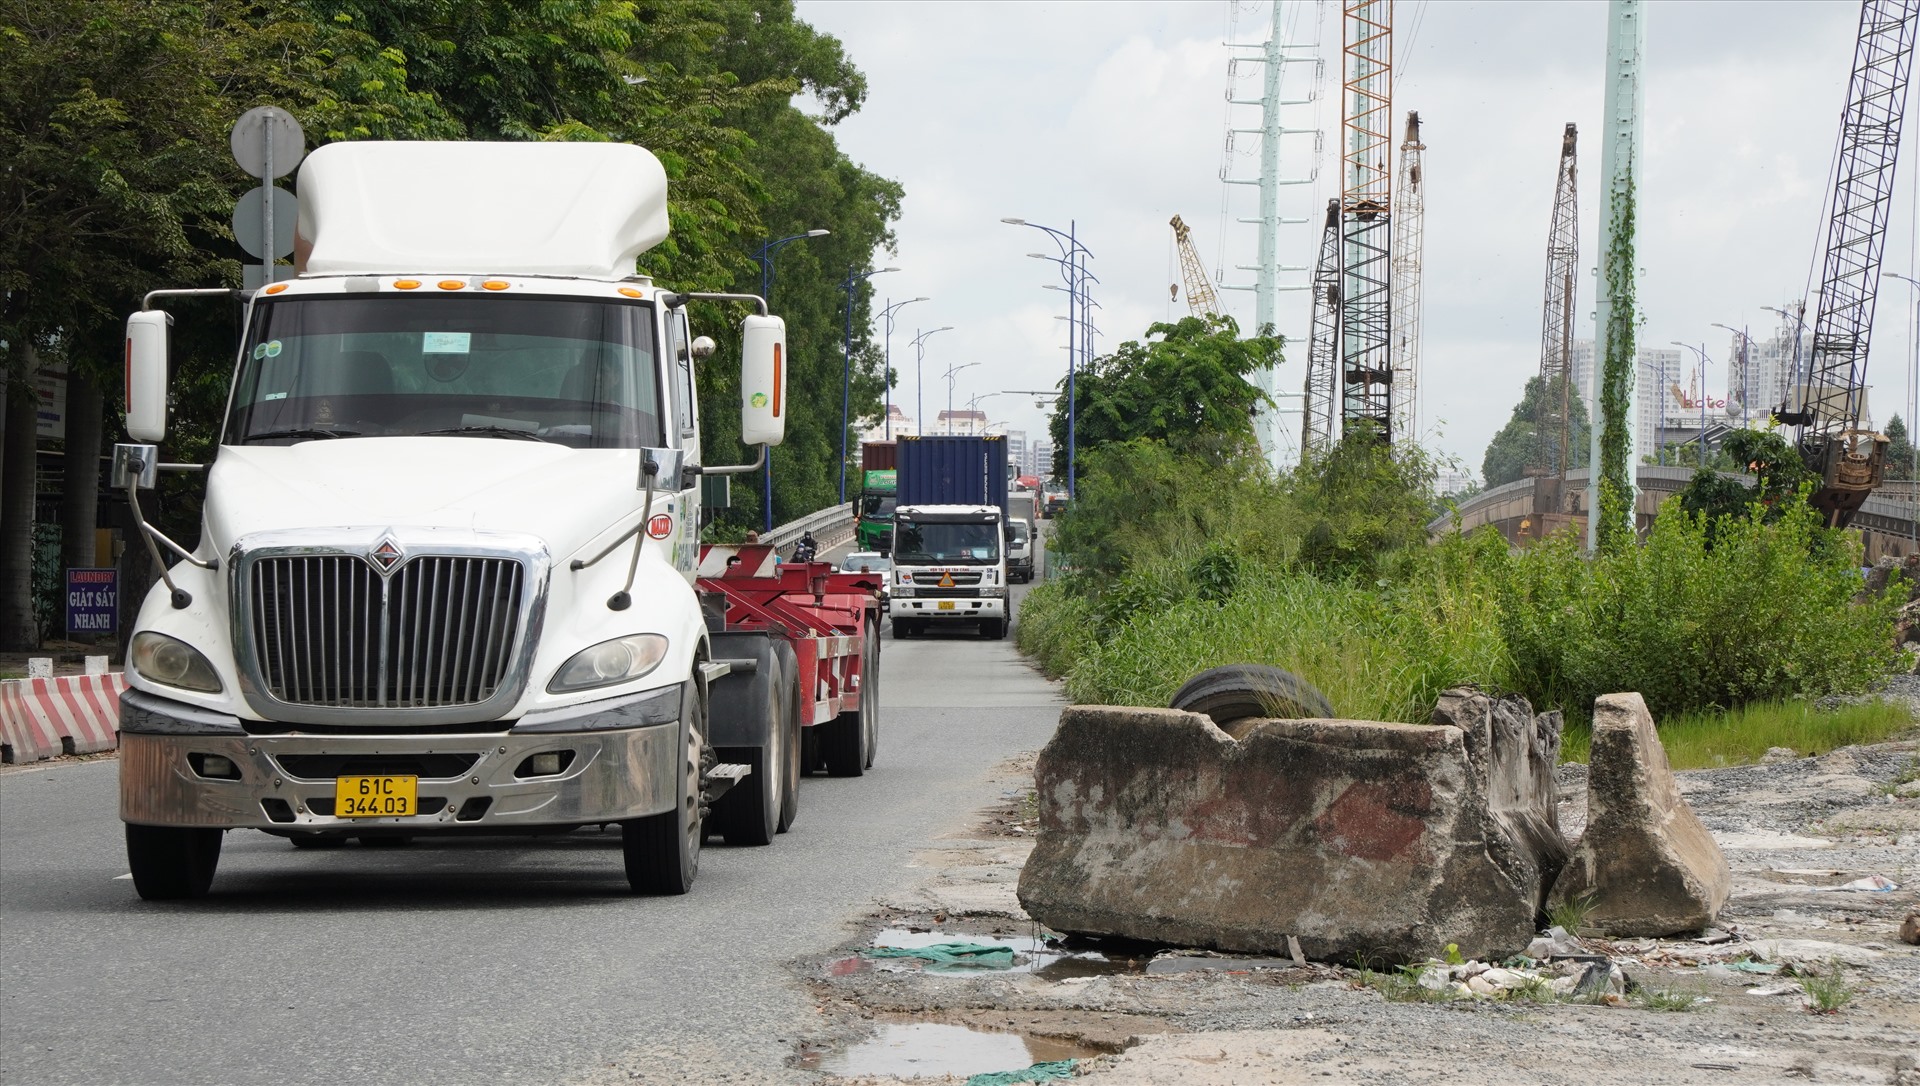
[
  {"x": 902, "y": 629},
  {"x": 993, "y": 629},
  {"x": 749, "y": 814},
  {"x": 844, "y": 740},
  {"x": 870, "y": 691},
  {"x": 662, "y": 851},
  {"x": 790, "y": 766},
  {"x": 1241, "y": 692},
  {"x": 170, "y": 863}
]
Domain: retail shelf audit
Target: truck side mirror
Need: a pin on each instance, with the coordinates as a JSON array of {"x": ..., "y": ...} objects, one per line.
[
  {"x": 763, "y": 380},
  {"x": 147, "y": 375}
]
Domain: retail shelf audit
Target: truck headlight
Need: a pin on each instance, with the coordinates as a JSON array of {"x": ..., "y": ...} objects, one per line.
[
  {"x": 610, "y": 662},
  {"x": 173, "y": 662}
]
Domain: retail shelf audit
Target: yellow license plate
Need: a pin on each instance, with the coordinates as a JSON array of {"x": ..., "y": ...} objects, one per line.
[
  {"x": 946, "y": 605},
  {"x": 375, "y": 797}
]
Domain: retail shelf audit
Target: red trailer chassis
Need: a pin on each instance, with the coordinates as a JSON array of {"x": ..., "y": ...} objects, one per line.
[{"x": 826, "y": 616}]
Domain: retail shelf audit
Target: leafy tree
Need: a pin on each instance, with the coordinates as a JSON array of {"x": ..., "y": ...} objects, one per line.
[
  {"x": 1520, "y": 443},
  {"x": 1778, "y": 473},
  {"x": 1189, "y": 388},
  {"x": 1900, "y": 455},
  {"x": 1362, "y": 502}
]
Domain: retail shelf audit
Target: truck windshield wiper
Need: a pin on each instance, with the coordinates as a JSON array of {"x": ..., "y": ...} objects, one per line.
[
  {"x": 298, "y": 432},
  {"x": 491, "y": 431}
]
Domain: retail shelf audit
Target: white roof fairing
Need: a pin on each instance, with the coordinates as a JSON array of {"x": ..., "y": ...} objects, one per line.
[{"x": 583, "y": 210}]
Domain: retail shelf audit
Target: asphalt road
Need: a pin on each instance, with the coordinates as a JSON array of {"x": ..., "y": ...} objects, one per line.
[{"x": 500, "y": 961}]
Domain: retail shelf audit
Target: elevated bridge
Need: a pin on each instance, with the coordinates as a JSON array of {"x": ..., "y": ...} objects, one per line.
[{"x": 1889, "y": 522}]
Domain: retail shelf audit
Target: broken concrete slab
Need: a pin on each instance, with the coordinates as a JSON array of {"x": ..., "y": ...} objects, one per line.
[
  {"x": 1361, "y": 839},
  {"x": 1646, "y": 865}
]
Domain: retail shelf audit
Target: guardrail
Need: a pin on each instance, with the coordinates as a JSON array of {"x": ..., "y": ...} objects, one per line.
[{"x": 831, "y": 527}]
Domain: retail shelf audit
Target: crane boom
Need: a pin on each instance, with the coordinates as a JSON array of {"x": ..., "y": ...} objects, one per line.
[
  {"x": 1200, "y": 294},
  {"x": 1553, "y": 454},
  {"x": 1366, "y": 312},
  {"x": 1409, "y": 224},
  {"x": 1829, "y": 414},
  {"x": 1317, "y": 425}
]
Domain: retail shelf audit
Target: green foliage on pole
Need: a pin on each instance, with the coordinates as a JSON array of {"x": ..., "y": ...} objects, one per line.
[{"x": 1614, "y": 506}]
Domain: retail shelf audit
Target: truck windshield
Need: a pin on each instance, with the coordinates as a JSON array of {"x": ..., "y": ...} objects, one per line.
[
  {"x": 942, "y": 541},
  {"x": 877, "y": 505},
  {"x": 565, "y": 370}
]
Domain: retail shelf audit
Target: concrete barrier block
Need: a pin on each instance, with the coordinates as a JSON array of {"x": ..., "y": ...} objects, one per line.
[{"x": 1359, "y": 838}]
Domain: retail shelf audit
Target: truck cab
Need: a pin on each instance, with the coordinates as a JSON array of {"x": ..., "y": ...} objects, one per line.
[
  {"x": 949, "y": 570},
  {"x": 1020, "y": 549},
  {"x": 446, "y": 578}
]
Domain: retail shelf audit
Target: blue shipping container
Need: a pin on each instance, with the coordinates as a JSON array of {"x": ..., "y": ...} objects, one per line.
[{"x": 953, "y": 470}]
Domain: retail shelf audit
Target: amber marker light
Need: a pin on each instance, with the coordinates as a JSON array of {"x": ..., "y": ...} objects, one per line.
[
  {"x": 495, "y": 284},
  {"x": 631, "y": 293},
  {"x": 276, "y": 288},
  {"x": 406, "y": 284},
  {"x": 453, "y": 284}
]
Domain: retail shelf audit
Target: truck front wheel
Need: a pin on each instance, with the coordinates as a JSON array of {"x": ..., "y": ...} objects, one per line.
[
  {"x": 662, "y": 851},
  {"x": 172, "y": 862}
]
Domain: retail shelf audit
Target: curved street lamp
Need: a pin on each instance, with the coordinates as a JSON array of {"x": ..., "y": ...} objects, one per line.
[
  {"x": 951, "y": 370},
  {"x": 764, "y": 256},
  {"x": 1702, "y": 352},
  {"x": 1072, "y": 259},
  {"x": 1746, "y": 358},
  {"x": 920, "y": 375},
  {"x": 846, "y": 368},
  {"x": 887, "y": 313}
]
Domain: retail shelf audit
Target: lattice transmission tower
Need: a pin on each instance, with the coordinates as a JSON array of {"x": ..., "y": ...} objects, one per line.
[
  {"x": 1366, "y": 316},
  {"x": 1833, "y": 437},
  {"x": 1319, "y": 417},
  {"x": 1553, "y": 453},
  {"x": 1409, "y": 219},
  {"x": 1201, "y": 297}
]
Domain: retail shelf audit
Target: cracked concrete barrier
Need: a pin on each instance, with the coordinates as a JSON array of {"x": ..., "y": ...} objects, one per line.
[
  {"x": 1363, "y": 839},
  {"x": 1646, "y": 865}
]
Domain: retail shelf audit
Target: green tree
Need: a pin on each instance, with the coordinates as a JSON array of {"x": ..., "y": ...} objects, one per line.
[
  {"x": 1900, "y": 454},
  {"x": 1189, "y": 387},
  {"x": 1362, "y": 502},
  {"x": 1521, "y": 444},
  {"x": 1777, "y": 468}
]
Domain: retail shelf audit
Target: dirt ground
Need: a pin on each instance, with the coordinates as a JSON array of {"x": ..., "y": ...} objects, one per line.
[{"x": 1794, "y": 831}]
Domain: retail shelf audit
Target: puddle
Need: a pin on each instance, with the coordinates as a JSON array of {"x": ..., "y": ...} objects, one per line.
[
  {"x": 1049, "y": 961},
  {"x": 926, "y": 1050}
]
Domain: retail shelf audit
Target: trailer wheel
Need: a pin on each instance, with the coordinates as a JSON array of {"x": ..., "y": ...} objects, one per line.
[
  {"x": 870, "y": 691},
  {"x": 172, "y": 862},
  {"x": 790, "y": 767},
  {"x": 845, "y": 741},
  {"x": 1239, "y": 692},
  {"x": 662, "y": 851}
]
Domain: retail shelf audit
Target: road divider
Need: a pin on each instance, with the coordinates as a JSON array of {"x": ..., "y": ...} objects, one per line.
[{"x": 71, "y": 714}]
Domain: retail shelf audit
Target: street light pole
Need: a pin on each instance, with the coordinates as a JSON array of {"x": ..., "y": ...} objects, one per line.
[
  {"x": 846, "y": 369},
  {"x": 765, "y": 258},
  {"x": 951, "y": 370},
  {"x": 1701, "y": 351},
  {"x": 888, "y": 314},
  {"x": 1073, "y": 255},
  {"x": 1746, "y": 361},
  {"x": 1799, "y": 319},
  {"x": 920, "y": 375}
]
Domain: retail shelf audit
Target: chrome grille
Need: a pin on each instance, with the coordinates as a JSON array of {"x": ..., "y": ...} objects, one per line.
[{"x": 329, "y": 631}]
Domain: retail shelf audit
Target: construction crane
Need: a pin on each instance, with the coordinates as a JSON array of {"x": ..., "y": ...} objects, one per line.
[
  {"x": 1553, "y": 454},
  {"x": 1200, "y": 294},
  {"x": 1318, "y": 417},
  {"x": 1829, "y": 413},
  {"x": 1409, "y": 218},
  {"x": 1366, "y": 293}
]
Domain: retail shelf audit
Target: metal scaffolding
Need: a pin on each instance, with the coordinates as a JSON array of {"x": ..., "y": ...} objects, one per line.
[
  {"x": 1366, "y": 312},
  {"x": 1201, "y": 298}
]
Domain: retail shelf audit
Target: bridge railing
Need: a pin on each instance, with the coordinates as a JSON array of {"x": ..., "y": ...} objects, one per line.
[{"x": 831, "y": 527}]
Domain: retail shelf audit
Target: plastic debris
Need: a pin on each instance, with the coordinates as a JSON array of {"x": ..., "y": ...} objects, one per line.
[
  {"x": 1876, "y": 883},
  {"x": 1039, "y": 1072},
  {"x": 950, "y": 955}
]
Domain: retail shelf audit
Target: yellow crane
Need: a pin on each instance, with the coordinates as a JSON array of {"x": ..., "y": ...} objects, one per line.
[{"x": 1200, "y": 295}]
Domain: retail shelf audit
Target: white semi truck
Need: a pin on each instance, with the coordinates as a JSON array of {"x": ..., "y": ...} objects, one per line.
[{"x": 449, "y": 579}]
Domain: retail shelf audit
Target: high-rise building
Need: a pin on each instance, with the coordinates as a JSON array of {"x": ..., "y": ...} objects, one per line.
[
  {"x": 902, "y": 426},
  {"x": 1043, "y": 459},
  {"x": 1659, "y": 409},
  {"x": 1017, "y": 450}
]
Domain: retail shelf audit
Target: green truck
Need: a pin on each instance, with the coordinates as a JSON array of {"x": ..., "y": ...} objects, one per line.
[{"x": 878, "y": 489}]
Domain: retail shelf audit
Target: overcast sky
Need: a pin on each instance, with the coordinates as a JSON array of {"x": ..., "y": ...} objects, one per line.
[{"x": 1113, "y": 116}]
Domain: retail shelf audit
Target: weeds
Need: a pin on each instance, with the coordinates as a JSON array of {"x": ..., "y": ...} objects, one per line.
[
  {"x": 1826, "y": 994},
  {"x": 1572, "y": 914},
  {"x": 1665, "y": 999},
  {"x": 1710, "y": 740}
]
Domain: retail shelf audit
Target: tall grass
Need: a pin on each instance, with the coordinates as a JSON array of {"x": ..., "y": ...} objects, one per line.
[{"x": 1742, "y": 736}]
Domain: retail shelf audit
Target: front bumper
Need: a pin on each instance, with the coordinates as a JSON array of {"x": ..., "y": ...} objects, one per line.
[
  {"x": 624, "y": 765},
  {"x": 964, "y": 609}
]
